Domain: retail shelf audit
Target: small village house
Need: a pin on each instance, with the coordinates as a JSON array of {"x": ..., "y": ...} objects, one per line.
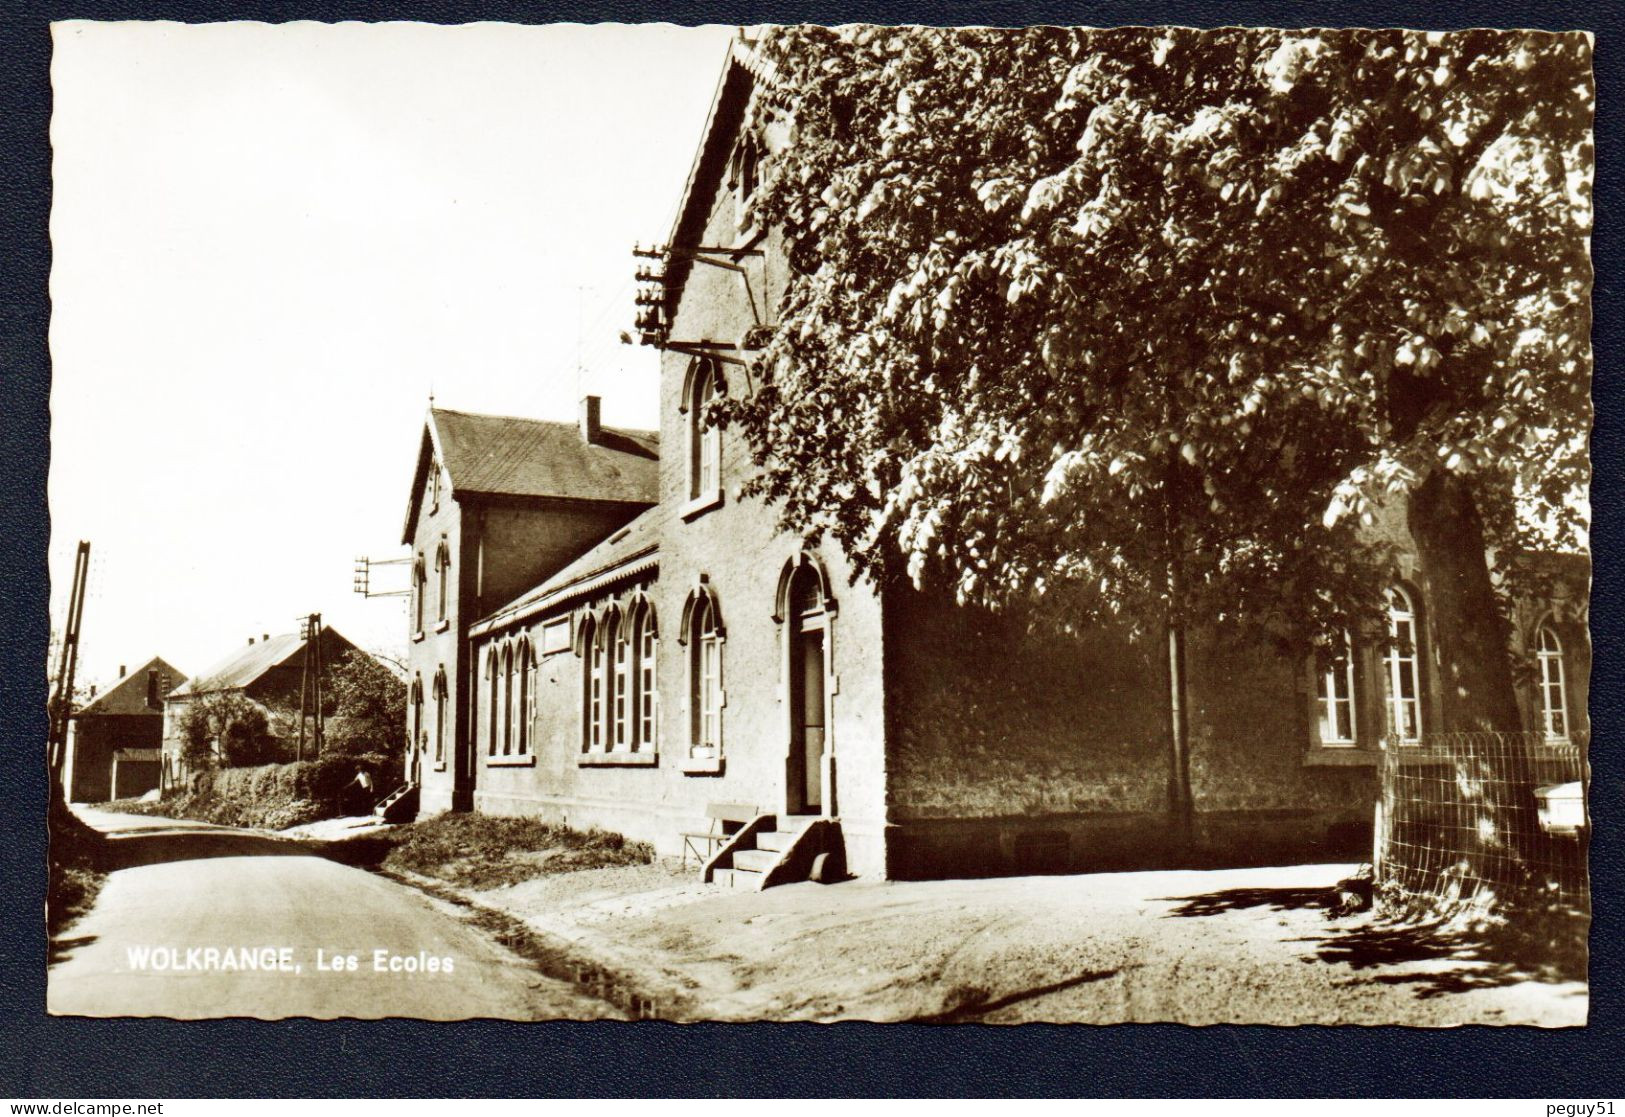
[
  {"x": 269, "y": 672},
  {"x": 115, "y": 737}
]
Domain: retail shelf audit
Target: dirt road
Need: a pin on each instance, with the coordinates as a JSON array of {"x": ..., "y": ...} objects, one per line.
[
  {"x": 1195, "y": 947},
  {"x": 204, "y": 921}
]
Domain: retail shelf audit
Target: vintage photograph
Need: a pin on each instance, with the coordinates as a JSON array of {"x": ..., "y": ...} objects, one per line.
[{"x": 820, "y": 523}]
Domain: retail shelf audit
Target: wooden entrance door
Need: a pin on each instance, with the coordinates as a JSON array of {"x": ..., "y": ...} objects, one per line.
[{"x": 807, "y": 722}]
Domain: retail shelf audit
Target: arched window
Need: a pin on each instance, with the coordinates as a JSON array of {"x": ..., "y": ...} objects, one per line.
[
  {"x": 704, "y": 440},
  {"x": 1337, "y": 697},
  {"x": 507, "y": 699},
  {"x": 644, "y": 636},
  {"x": 527, "y": 667},
  {"x": 1402, "y": 661},
  {"x": 493, "y": 676},
  {"x": 417, "y": 717},
  {"x": 420, "y": 588},
  {"x": 442, "y": 562},
  {"x": 1554, "y": 704},
  {"x": 440, "y": 697},
  {"x": 706, "y": 675},
  {"x": 593, "y": 687},
  {"x": 619, "y": 683}
]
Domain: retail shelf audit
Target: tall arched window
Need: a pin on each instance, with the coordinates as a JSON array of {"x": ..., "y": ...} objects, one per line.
[
  {"x": 442, "y": 564},
  {"x": 704, "y": 440},
  {"x": 1337, "y": 697},
  {"x": 507, "y": 699},
  {"x": 620, "y": 683},
  {"x": 644, "y": 636},
  {"x": 1402, "y": 661},
  {"x": 420, "y": 588},
  {"x": 593, "y": 687},
  {"x": 1554, "y": 704},
  {"x": 706, "y": 676},
  {"x": 493, "y": 678},
  {"x": 417, "y": 717},
  {"x": 441, "y": 693},
  {"x": 526, "y": 667}
]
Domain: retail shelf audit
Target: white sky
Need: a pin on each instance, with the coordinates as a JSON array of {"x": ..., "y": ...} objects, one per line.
[{"x": 270, "y": 241}]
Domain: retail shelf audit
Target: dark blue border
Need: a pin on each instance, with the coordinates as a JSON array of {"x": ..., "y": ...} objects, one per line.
[{"x": 44, "y": 1057}]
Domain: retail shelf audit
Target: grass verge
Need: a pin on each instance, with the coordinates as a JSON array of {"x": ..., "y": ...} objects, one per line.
[
  {"x": 75, "y": 873},
  {"x": 478, "y": 851}
]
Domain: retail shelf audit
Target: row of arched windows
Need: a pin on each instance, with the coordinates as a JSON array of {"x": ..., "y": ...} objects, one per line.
[
  {"x": 1401, "y": 682},
  {"x": 510, "y": 679},
  {"x": 620, "y": 688}
]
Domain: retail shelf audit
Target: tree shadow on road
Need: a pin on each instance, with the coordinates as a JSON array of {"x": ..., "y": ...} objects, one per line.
[
  {"x": 1435, "y": 958},
  {"x": 969, "y": 1003},
  {"x": 62, "y": 948},
  {"x": 163, "y": 846},
  {"x": 1451, "y": 959},
  {"x": 1238, "y": 899}
]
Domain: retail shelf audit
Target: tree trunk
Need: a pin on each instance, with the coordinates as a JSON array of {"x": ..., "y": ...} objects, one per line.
[
  {"x": 1470, "y": 634},
  {"x": 1181, "y": 805},
  {"x": 1471, "y": 653}
]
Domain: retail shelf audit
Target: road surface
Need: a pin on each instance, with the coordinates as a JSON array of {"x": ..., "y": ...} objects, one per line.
[{"x": 205, "y": 921}]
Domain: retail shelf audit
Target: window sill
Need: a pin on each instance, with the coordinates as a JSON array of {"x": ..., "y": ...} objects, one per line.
[
  {"x": 1357, "y": 756},
  {"x": 701, "y": 504},
  {"x": 442, "y": 626},
  {"x": 510, "y": 761},
  {"x": 1340, "y": 756},
  {"x": 618, "y": 760},
  {"x": 702, "y": 766},
  {"x": 417, "y": 637}
]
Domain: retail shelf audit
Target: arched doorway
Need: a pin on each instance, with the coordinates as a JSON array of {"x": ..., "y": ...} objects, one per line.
[{"x": 807, "y": 630}]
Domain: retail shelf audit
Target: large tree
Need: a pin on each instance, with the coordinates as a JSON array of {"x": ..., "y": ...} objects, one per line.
[{"x": 1142, "y": 323}]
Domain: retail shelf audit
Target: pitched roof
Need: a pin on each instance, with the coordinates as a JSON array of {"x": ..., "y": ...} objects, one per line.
[
  {"x": 505, "y": 455},
  {"x": 630, "y": 551},
  {"x": 129, "y": 694},
  {"x": 242, "y": 666},
  {"x": 722, "y": 122}
]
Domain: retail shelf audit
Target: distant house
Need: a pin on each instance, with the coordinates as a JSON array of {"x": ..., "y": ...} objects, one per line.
[
  {"x": 498, "y": 504},
  {"x": 268, "y": 672},
  {"x": 113, "y": 739}
]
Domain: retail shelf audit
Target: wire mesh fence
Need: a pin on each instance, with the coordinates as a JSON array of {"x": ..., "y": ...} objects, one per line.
[{"x": 1483, "y": 821}]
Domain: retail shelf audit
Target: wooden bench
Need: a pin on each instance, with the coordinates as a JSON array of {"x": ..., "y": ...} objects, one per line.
[{"x": 726, "y": 819}]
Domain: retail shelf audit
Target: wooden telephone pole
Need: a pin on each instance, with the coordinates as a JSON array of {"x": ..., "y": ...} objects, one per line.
[
  {"x": 310, "y": 685},
  {"x": 67, "y": 665}
]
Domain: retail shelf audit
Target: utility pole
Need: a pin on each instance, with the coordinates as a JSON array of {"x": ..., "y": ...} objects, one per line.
[
  {"x": 67, "y": 665},
  {"x": 310, "y": 685}
]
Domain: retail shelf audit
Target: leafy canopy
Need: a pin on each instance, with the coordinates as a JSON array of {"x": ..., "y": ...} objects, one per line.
[{"x": 1150, "y": 319}]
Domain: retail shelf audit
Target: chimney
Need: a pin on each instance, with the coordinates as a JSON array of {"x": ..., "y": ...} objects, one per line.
[
  {"x": 589, "y": 419},
  {"x": 121, "y": 670},
  {"x": 251, "y": 641},
  {"x": 265, "y": 637}
]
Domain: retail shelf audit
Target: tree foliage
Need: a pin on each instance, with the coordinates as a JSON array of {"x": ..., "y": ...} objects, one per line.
[
  {"x": 1148, "y": 321},
  {"x": 369, "y": 706},
  {"x": 226, "y": 729}
]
